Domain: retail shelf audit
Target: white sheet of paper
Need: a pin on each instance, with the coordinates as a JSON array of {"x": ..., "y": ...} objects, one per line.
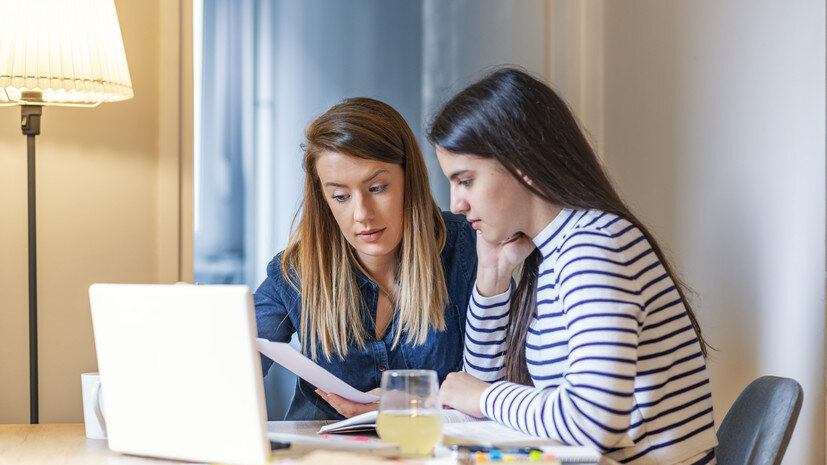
[
  {"x": 490, "y": 433},
  {"x": 306, "y": 369}
]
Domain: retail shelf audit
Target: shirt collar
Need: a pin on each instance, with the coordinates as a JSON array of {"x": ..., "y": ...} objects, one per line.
[
  {"x": 361, "y": 279},
  {"x": 552, "y": 235}
]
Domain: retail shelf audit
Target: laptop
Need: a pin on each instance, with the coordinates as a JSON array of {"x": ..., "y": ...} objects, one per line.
[{"x": 180, "y": 372}]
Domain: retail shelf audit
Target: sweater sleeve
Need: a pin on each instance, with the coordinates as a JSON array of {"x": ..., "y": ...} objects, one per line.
[
  {"x": 593, "y": 402},
  {"x": 485, "y": 330}
]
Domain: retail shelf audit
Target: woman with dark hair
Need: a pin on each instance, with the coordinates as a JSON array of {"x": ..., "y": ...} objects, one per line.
[
  {"x": 596, "y": 344},
  {"x": 374, "y": 277}
]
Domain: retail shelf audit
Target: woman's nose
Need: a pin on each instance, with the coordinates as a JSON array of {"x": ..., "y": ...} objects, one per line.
[
  {"x": 362, "y": 211},
  {"x": 458, "y": 204}
]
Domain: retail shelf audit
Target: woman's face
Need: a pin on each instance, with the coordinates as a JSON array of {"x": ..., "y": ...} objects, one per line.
[
  {"x": 488, "y": 195},
  {"x": 366, "y": 199}
]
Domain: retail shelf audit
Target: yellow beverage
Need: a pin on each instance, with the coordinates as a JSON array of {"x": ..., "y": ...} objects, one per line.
[{"x": 415, "y": 432}]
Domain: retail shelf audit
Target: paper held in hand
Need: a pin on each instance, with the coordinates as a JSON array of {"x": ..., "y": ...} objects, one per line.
[{"x": 306, "y": 369}]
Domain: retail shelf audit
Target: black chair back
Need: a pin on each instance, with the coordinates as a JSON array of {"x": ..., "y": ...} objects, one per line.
[{"x": 758, "y": 426}]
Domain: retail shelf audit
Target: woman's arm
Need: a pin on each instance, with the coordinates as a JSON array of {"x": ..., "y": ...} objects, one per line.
[
  {"x": 486, "y": 326},
  {"x": 272, "y": 318},
  {"x": 602, "y": 313},
  {"x": 488, "y": 309},
  {"x": 592, "y": 403}
]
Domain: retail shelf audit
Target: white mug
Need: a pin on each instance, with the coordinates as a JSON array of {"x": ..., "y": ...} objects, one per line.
[{"x": 92, "y": 406}]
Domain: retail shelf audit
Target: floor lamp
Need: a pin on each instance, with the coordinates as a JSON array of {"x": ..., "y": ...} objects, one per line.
[{"x": 63, "y": 53}]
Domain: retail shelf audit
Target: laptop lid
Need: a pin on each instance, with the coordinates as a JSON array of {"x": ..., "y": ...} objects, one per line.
[{"x": 180, "y": 372}]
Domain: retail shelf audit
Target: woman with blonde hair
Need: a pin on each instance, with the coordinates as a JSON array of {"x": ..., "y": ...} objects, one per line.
[{"x": 374, "y": 277}]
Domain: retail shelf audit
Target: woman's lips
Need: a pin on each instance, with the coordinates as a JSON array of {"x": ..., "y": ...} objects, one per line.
[
  {"x": 475, "y": 224},
  {"x": 372, "y": 235}
]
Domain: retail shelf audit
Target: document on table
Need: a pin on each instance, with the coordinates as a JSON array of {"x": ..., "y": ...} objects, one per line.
[
  {"x": 492, "y": 434},
  {"x": 306, "y": 369},
  {"x": 489, "y": 433}
]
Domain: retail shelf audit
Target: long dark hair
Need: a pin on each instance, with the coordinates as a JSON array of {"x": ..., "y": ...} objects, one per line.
[{"x": 523, "y": 124}]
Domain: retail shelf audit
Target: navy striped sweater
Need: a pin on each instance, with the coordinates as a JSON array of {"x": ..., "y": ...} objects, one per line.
[{"x": 612, "y": 354}]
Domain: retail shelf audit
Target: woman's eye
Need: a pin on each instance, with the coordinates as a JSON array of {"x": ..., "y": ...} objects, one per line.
[
  {"x": 340, "y": 198},
  {"x": 377, "y": 189},
  {"x": 465, "y": 182}
]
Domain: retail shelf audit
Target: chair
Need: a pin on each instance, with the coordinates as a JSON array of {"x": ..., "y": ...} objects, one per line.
[{"x": 758, "y": 426}]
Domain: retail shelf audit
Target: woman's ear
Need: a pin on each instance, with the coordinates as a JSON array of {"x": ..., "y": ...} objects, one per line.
[{"x": 525, "y": 178}]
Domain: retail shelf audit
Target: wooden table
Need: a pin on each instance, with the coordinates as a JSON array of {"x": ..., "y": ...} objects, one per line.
[{"x": 67, "y": 445}]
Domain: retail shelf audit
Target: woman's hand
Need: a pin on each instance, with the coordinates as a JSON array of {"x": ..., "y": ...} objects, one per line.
[
  {"x": 496, "y": 262},
  {"x": 463, "y": 392},
  {"x": 346, "y": 407}
]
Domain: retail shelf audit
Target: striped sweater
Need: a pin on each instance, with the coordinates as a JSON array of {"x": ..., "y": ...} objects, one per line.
[{"x": 612, "y": 354}]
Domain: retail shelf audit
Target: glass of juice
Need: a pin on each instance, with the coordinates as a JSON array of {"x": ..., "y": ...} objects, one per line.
[{"x": 410, "y": 411}]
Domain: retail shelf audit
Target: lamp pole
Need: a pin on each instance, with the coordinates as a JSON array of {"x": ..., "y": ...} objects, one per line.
[{"x": 30, "y": 123}]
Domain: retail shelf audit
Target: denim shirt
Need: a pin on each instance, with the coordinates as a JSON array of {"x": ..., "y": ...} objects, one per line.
[{"x": 278, "y": 316}]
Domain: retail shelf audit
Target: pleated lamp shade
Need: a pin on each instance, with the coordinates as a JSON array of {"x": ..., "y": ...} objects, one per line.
[{"x": 61, "y": 52}]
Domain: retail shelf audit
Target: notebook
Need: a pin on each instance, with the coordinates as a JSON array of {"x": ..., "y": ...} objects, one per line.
[{"x": 367, "y": 421}]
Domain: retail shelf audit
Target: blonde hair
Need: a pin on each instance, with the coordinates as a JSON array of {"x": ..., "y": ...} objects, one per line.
[{"x": 319, "y": 262}]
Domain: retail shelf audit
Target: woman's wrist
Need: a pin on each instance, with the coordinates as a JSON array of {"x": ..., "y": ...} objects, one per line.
[{"x": 491, "y": 282}]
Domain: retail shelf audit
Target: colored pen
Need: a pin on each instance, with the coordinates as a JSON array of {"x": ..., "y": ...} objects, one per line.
[{"x": 499, "y": 450}]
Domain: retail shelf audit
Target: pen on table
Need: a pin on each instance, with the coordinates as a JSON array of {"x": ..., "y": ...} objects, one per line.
[
  {"x": 494, "y": 456},
  {"x": 504, "y": 450},
  {"x": 347, "y": 438}
]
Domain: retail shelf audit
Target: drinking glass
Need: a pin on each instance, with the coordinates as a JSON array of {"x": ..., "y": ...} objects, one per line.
[{"x": 409, "y": 411}]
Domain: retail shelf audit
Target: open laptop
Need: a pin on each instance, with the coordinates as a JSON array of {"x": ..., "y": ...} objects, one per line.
[{"x": 180, "y": 372}]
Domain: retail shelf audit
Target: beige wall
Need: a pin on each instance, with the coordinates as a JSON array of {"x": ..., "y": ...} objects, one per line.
[{"x": 100, "y": 217}]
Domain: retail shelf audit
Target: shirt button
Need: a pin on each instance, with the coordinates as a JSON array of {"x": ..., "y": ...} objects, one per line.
[{"x": 381, "y": 367}]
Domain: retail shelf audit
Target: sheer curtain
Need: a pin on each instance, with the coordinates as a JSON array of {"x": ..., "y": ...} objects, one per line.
[
  {"x": 271, "y": 67},
  {"x": 222, "y": 187}
]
